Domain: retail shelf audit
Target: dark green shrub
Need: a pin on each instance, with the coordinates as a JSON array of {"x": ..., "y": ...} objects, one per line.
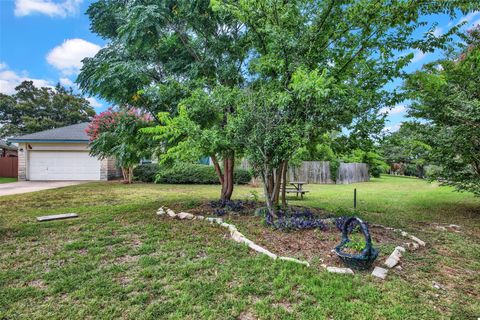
[
  {"x": 194, "y": 173},
  {"x": 146, "y": 172}
]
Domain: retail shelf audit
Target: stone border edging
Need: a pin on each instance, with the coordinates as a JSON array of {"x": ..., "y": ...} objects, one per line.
[
  {"x": 395, "y": 256},
  {"x": 378, "y": 272},
  {"x": 234, "y": 233}
]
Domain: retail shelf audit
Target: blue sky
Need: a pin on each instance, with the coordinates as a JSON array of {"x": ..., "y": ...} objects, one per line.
[{"x": 45, "y": 41}]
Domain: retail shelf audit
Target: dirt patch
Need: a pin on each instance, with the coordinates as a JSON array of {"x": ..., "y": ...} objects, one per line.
[
  {"x": 313, "y": 244},
  {"x": 126, "y": 259},
  {"x": 246, "y": 315},
  {"x": 39, "y": 284}
]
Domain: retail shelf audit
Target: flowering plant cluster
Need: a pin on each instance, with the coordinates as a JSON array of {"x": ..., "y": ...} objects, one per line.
[
  {"x": 117, "y": 134},
  {"x": 107, "y": 121},
  {"x": 295, "y": 220}
]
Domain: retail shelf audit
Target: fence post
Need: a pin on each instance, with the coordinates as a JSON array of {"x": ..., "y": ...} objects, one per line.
[{"x": 355, "y": 198}]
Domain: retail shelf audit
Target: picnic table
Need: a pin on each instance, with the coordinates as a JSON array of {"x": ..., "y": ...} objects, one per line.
[{"x": 297, "y": 188}]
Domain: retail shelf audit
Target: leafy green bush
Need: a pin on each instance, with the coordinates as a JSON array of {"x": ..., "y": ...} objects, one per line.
[
  {"x": 146, "y": 172},
  {"x": 186, "y": 173}
]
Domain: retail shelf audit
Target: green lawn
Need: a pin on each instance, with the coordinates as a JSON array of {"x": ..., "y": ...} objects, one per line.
[
  {"x": 7, "y": 180},
  {"x": 118, "y": 260}
]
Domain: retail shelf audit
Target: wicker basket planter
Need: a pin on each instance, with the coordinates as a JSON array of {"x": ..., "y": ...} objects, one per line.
[{"x": 362, "y": 260}]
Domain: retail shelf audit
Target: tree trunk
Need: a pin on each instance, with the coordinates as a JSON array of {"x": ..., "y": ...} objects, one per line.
[
  {"x": 130, "y": 175},
  {"x": 284, "y": 185},
  {"x": 227, "y": 189},
  {"x": 277, "y": 184},
  {"x": 226, "y": 176},
  {"x": 268, "y": 200}
]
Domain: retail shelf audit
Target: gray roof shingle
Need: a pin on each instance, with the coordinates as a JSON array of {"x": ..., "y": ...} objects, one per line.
[{"x": 72, "y": 133}]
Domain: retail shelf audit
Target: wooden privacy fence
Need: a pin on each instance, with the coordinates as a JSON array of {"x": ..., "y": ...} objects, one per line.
[
  {"x": 352, "y": 172},
  {"x": 9, "y": 167},
  {"x": 319, "y": 172}
]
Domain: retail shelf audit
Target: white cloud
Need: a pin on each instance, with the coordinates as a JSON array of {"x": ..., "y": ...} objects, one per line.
[
  {"x": 469, "y": 17},
  {"x": 395, "y": 110},
  {"x": 66, "y": 82},
  {"x": 48, "y": 7},
  {"x": 10, "y": 79},
  {"x": 68, "y": 56},
  {"x": 94, "y": 102},
  {"x": 418, "y": 55},
  {"x": 438, "y": 32},
  {"x": 392, "y": 128}
]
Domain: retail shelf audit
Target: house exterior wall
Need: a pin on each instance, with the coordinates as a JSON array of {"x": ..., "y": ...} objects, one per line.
[
  {"x": 108, "y": 169},
  {"x": 22, "y": 162}
]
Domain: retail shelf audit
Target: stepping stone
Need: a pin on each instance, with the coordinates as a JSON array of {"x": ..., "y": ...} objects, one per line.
[
  {"x": 380, "y": 273},
  {"x": 57, "y": 217}
]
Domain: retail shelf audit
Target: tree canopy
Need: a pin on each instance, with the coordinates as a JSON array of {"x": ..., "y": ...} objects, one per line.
[
  {"x": 31, "y": 109},
  {"x": 258, "y": 76},
  {"x": 446, "y": 95},
  {"x": 163, "y": 55}
]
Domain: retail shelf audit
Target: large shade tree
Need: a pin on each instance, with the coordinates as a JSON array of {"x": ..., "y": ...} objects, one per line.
[
  {"x": 322, "y": 66},
  {"x": 163, "y": 54},
  {"x": 32, "y": 109},
  {"x": 446, "y": 95}
]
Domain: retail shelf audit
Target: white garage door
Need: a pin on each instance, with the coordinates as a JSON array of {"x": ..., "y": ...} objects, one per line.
[{"x": 63, "y": 165}]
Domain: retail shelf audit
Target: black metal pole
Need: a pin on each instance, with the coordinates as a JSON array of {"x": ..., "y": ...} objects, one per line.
[{"x": 355, "y": 198}]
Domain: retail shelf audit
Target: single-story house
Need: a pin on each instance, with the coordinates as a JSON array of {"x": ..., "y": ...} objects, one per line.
[
  {"x": 61, "y": 154},
  {"x": 7, "y": 149}
]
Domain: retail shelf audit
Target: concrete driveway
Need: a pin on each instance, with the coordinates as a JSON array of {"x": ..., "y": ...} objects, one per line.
[{"x": 31, "y": 186}]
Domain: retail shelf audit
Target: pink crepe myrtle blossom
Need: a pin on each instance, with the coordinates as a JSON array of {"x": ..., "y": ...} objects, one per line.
[{"x": 107, "y": 120}]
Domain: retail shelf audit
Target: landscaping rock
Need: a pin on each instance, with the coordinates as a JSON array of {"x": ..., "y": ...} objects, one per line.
[
  {"x": 238, "y": 237},
  {"x": 441, "y": 228},
  {"x": 171, "y": 213},
  {"x": 340, "y": 270},
  {"x": 257, "y": 248},
  {"x": 380, "y": 273},
  {"x": 412, "y": 245},
  {"x": 199, "y": 217},
  {"x": 212, "y": 220},
  {"x": 394, "y": 258},
  {"x": 186, "y": 215},
  {"x": 160, "y": 212},
  {"x": 225, "y": 225},
  {"x": 420, "y": 242},
  {"x": 438, "y": 286},
  {"x": 295, "y": 260}
]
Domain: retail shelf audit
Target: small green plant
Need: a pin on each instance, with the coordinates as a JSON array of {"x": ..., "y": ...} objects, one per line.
[
  {"x": 254, "y": 196},
  {"x": 356, "y": 243},
  {"x": 357, "y": 246}
]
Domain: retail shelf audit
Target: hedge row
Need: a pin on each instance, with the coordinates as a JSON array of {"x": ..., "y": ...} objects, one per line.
[{"x": 185, "y": 173}]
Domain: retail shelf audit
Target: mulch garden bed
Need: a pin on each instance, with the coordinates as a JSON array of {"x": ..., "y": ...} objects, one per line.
[{"x": 314, "y": 245}]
